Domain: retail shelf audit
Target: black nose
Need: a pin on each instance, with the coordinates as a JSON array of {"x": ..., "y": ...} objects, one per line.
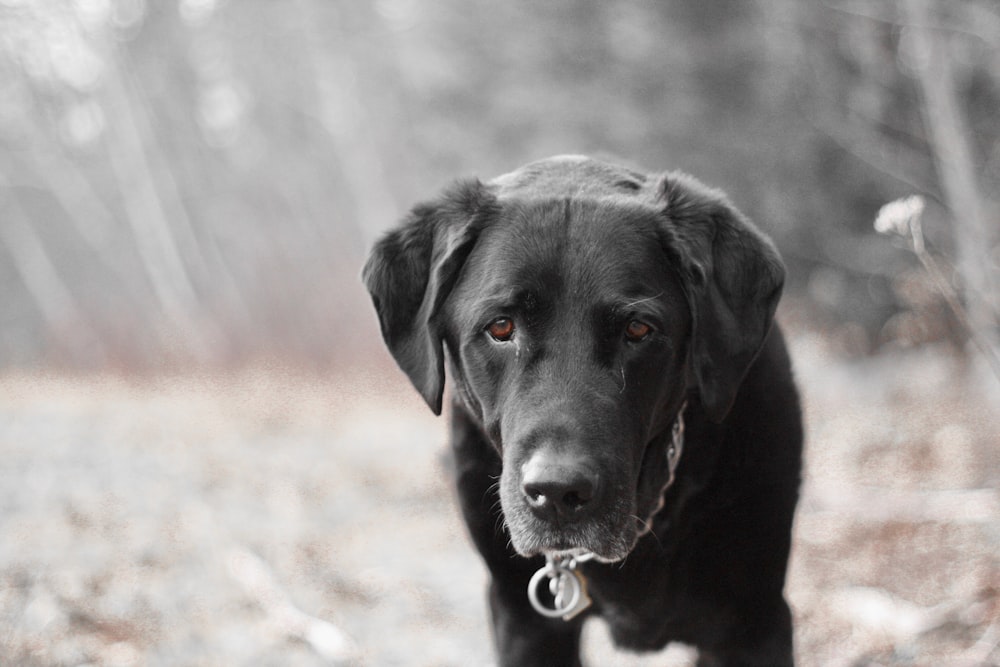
[{"x": 558, "y": 489}]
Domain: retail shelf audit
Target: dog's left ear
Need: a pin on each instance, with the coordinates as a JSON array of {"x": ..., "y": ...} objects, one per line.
[
  {"x": 411, "y": 271},
  {"x": 732, "y": 277}
]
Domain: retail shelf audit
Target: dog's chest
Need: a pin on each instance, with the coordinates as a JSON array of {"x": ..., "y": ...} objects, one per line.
[
  {"x": 647, "y": 628},
  {"x": 642, "y": 612}
]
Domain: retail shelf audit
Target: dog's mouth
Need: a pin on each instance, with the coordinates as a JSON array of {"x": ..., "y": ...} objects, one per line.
[
  {"x": 567, "y": 516},
  {"x": 609, "y": 532},
  {"x": 609, "y": 535},
  {"x": 605, "y": 546},
  {"x": 564, "y": 546}
]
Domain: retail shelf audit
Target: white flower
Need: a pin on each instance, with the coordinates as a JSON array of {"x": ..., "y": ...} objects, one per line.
[{"x": 898, "y": 216}]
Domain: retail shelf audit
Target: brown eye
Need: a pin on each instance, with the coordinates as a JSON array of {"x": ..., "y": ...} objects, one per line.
[
  {"x": 501, "y": 328},
  {"x": 636, "y": 330}
]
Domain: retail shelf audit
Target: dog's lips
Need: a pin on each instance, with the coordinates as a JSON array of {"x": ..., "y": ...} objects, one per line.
[
  {"x": 580, "y": 555},
  {"x": 608, "y": 543},
  {"x": 565, "y": 554},
  {"x": 599, "y": 552}
]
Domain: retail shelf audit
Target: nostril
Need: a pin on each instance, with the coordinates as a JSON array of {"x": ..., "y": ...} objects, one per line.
[
  {"x": 565, "y": 496},
  {"x": 536, "y": 494},
  {"x": 576, "y": 499}
]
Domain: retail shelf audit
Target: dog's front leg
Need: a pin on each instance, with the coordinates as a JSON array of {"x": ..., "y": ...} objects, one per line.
[{"x": 523, "y": 637}]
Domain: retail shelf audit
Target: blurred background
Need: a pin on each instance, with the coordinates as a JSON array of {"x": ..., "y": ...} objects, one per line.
[
  {"x": 196, "y": 182},
  {"x": 187, "y": 192}
]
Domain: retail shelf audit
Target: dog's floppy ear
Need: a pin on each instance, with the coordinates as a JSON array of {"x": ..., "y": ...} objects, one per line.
[
  {"x": 732, "y": 277},
  {"x": 411, "y": 271}
]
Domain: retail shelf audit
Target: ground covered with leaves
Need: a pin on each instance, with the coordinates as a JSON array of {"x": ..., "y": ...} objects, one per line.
[{"x": 270, "y": 518}]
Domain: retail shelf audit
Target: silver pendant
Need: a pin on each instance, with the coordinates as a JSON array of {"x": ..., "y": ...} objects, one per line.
[{"x": 567, "y": 585}]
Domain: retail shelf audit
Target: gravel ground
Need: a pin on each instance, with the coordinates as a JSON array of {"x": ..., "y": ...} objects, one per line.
[{"x": 270, "y": 518}]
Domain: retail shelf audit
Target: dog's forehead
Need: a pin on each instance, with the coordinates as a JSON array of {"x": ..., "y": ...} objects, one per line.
[{"x": 601, "y": 245}]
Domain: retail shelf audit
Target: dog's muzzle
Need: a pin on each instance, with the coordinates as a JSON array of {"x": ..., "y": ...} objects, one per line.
[{"x": 566, "y": 585}]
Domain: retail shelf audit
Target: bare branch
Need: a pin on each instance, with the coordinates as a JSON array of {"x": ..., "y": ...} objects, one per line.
[{"x": 953, "y": 156}]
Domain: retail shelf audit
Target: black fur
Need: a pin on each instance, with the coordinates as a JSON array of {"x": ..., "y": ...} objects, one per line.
[{"x": 573, "y": 416}]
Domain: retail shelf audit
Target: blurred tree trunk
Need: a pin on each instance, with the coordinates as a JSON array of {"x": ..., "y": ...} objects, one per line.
[
  {"x": 347, "y": 118},
  {"x": 50, "y": 293},
  {"x": 948, "y": 135},
  {"x": 152, "y": 228},
  {"x": 91, "y": 219}
]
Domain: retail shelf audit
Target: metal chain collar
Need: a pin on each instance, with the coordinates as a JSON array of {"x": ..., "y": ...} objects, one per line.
[{"x": 676, "y": 446}]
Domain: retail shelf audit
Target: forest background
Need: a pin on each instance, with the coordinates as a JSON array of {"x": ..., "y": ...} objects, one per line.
[{"x": 187, "y": 193}]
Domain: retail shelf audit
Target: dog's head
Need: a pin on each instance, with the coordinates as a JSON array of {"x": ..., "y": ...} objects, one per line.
[{"x": 578, "y": 302}]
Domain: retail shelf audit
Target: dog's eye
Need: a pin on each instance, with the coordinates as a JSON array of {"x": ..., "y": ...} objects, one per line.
[
  {"x": 636, "y": 330},
  {"x": 501, "y": 329}
]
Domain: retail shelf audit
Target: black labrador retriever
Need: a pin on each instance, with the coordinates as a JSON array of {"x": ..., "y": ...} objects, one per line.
[{"x": 596, "y": 321}]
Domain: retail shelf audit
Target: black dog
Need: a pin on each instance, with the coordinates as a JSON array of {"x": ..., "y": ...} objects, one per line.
[{"x": 596, "y": 320}]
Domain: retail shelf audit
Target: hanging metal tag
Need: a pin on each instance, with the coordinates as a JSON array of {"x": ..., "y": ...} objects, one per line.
[{"x": 567, "y": 585}]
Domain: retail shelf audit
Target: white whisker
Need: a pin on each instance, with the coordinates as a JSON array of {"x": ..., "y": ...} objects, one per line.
[{"x": 632, "y": 304}]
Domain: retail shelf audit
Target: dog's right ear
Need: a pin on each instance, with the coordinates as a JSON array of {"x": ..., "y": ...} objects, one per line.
[
  {"x": 411, "y": 271},
  {"x": 732, "y": 277}
]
